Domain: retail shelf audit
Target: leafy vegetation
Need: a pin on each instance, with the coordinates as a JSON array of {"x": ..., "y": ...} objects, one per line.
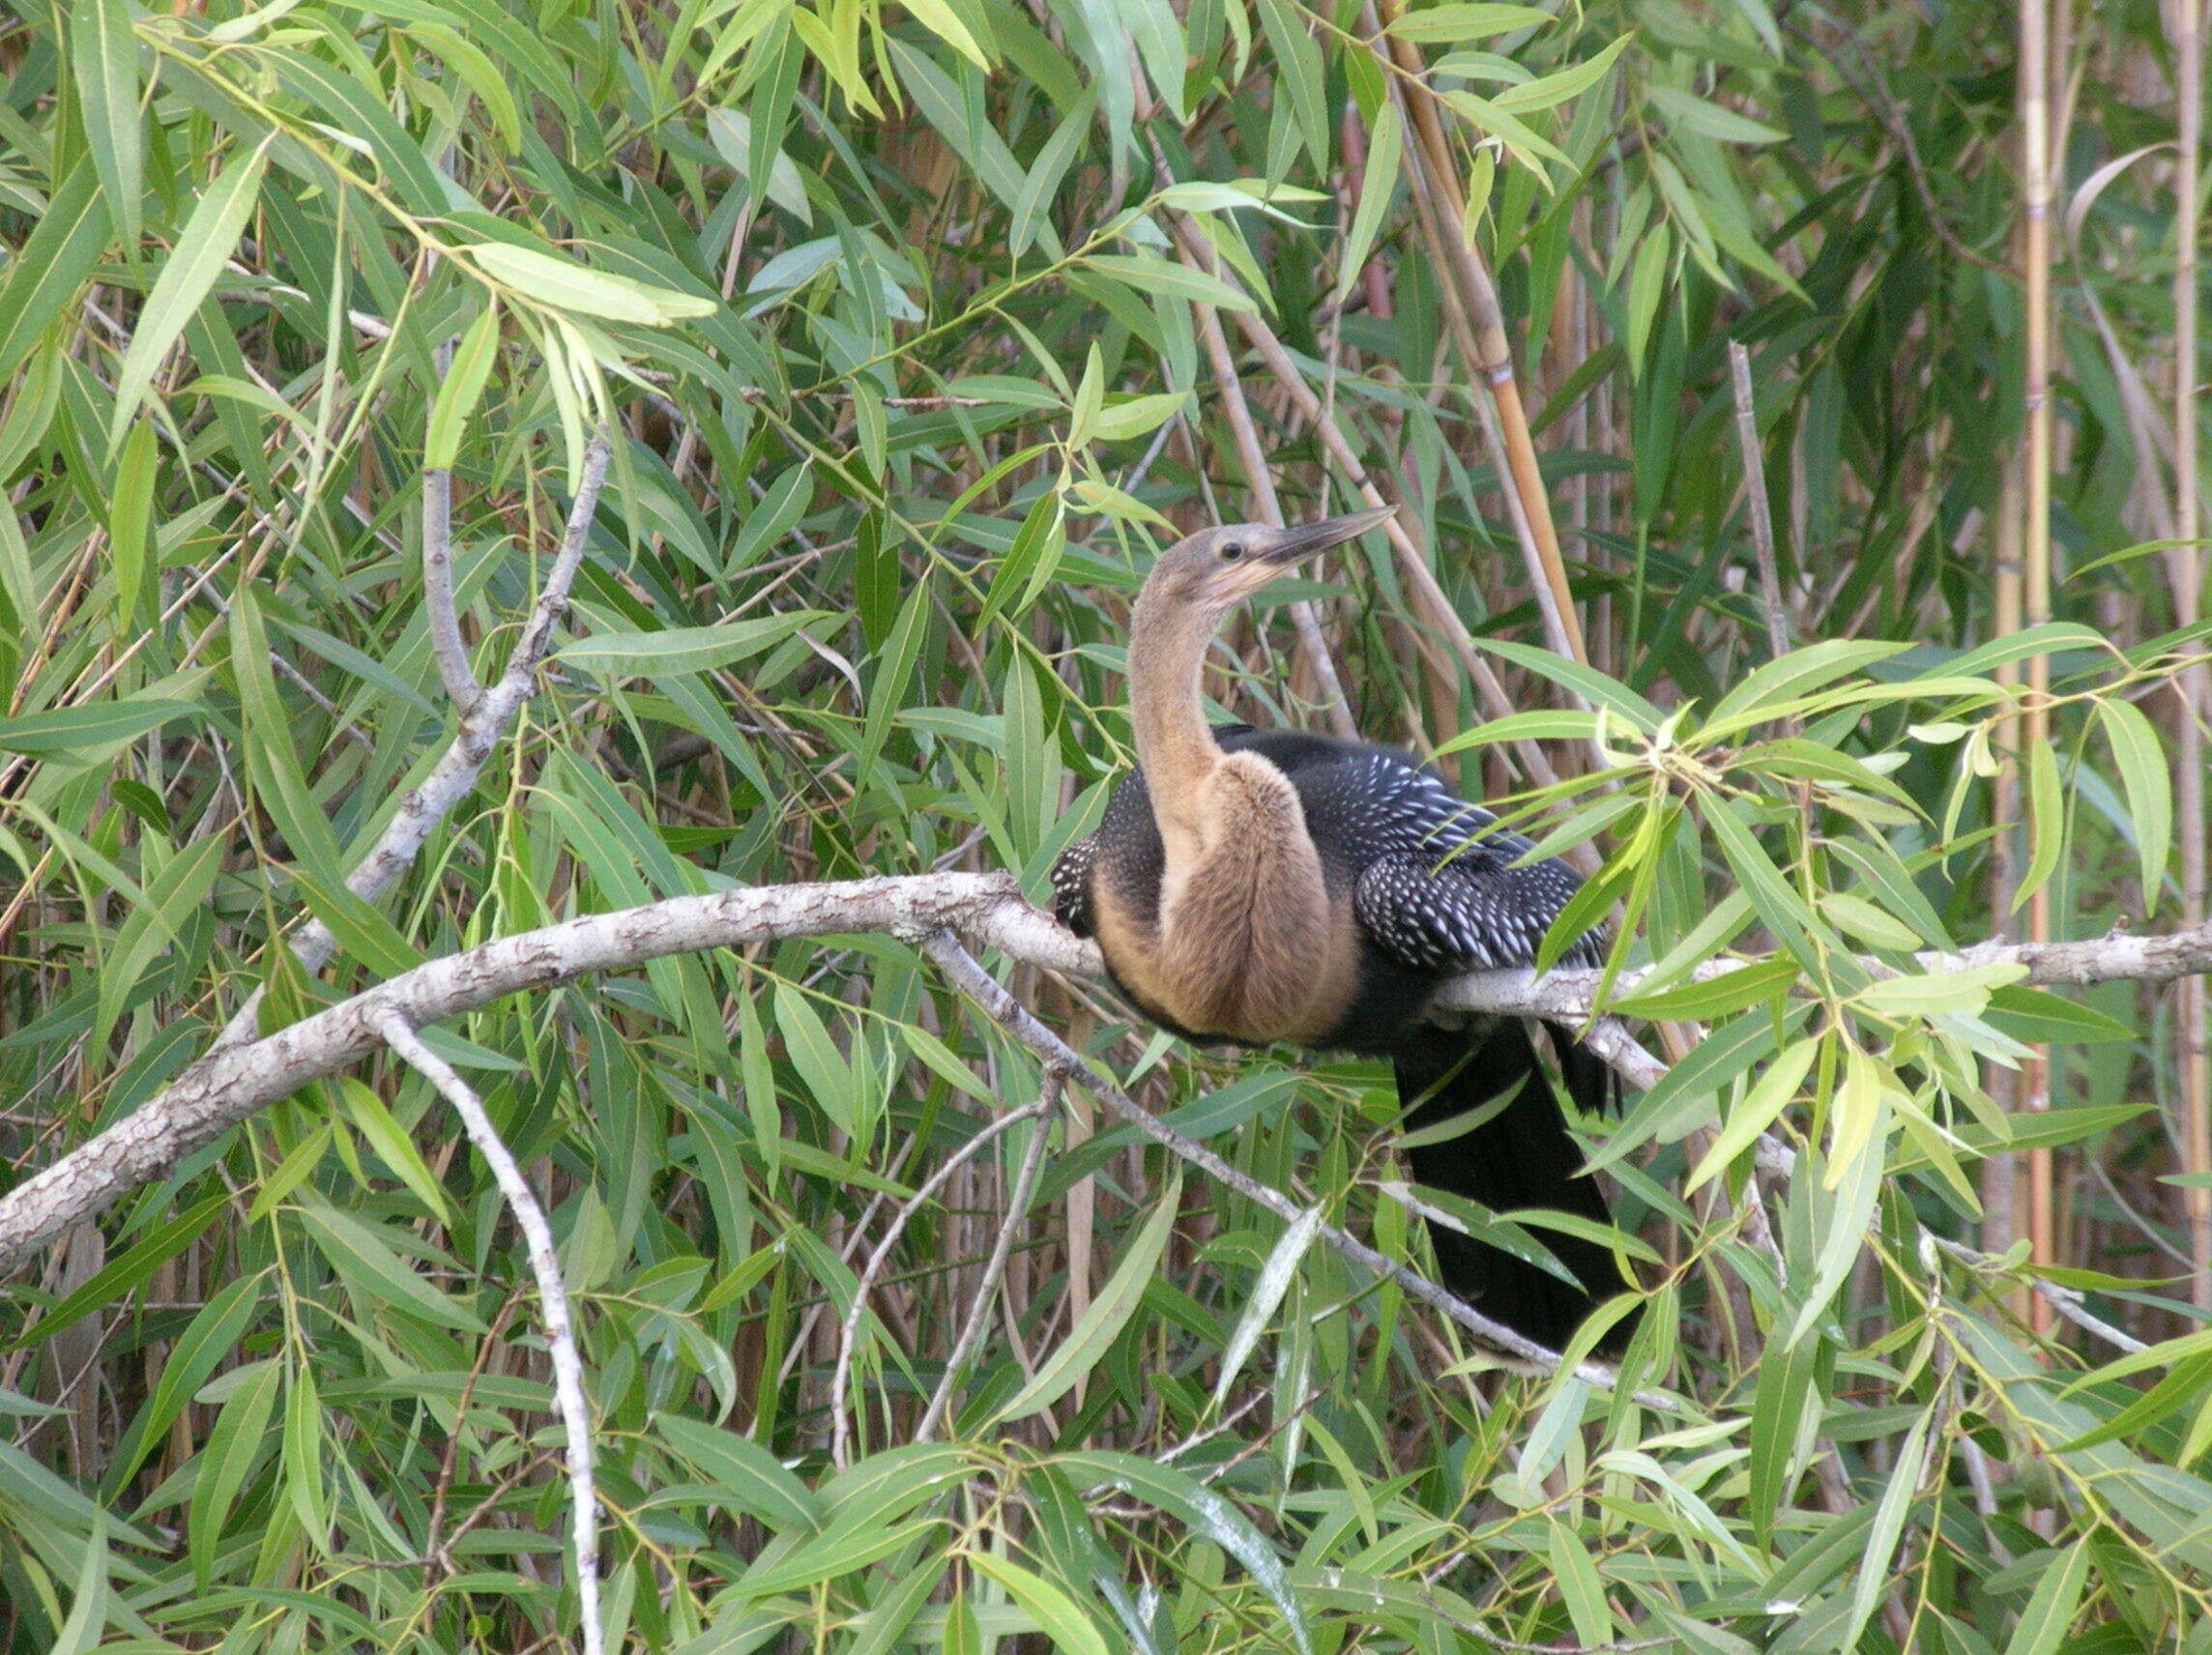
[{"x": 917, "y": 329}]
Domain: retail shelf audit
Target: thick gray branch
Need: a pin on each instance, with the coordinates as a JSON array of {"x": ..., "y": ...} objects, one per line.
[
  {"x": 235, "y": 1081},
  {"x": 232, "y": 1083}
]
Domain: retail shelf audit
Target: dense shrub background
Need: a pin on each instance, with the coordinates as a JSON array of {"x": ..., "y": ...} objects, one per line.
[{"x": 903, "y": 321}]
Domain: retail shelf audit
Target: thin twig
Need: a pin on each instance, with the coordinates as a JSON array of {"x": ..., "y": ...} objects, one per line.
[
  {"x": 1263, "y": 484},
  {"x": 1022, "y": 1025},
  {"x": 552, "y": 1296},
  {"x": 446, "y": 643},
  {"x": 1017, "y": 1212},
  {"x": 1762, "y": 509},
  {"x": 2033, "y": 76},
  {"x": 840, "y": 1429},
  {"x": 2186, "y": 566},
  {"x": 2064, "y": 1300}
]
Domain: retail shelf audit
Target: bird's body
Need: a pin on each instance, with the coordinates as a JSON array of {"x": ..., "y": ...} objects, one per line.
[{"x": 1254, "y": 885}]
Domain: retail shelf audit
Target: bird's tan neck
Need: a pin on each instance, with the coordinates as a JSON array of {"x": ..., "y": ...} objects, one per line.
[
  {"x": 1246, "y": 926},
  {"x": 1167, "y": 707}
]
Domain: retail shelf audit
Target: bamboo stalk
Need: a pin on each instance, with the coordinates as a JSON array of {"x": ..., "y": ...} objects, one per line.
[
  {"x": 2035, "y": 540},
  {"x": 1755, "y": 503},
  {"x": 2188, "y": 568},
  {"x": 2000, "y": 1172},
  {"x": 1479, "y": 327}
]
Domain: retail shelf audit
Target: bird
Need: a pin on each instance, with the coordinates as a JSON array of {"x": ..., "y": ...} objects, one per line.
[{"x": 1252, "y": 887}]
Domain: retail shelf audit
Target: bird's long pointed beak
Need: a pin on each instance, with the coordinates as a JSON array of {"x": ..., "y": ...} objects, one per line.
[{"x": 1303, "y": 542}]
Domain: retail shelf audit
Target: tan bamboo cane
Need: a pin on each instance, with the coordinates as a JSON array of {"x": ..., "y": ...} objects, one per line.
[
  {"x": 2188, "y": 571},
  {"x": 2035, "y": 539},
  {"x": 1479, "y": 328}
]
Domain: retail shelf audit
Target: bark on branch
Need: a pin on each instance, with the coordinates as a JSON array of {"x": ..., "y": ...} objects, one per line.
[{"x": 988, "y": 909}]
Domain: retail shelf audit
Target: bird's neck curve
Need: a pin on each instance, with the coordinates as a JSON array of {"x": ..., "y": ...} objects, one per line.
[{"x": 1167, "y": 707}]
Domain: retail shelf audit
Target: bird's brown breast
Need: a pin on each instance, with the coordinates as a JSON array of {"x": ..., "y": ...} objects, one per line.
[{"x": 1244, "y": 941}]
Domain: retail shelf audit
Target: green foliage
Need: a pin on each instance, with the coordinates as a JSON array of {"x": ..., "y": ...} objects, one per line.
[{"x": 901, "y": 318}]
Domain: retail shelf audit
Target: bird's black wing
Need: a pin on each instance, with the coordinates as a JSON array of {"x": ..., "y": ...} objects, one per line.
[
  {"x": 1441, "y": 890},
  {"x": 1071, "y": 877},
  {"x": 1446, "y": 896}
]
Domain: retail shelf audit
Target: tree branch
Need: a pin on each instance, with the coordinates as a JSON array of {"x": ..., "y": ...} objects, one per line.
[
  {"x": 233, "y": 1082},
  {"x": 483, "y": 726},
  {"x": 445, "y": 620},
  {"x": 552, "y": 1294},
  {"x": 840, "y": 1425},
  {"x": 1019, "y": 1022}
]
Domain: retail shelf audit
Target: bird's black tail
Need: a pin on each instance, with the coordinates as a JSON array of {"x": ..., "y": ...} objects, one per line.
[{"x": 1522, "y": 1157}]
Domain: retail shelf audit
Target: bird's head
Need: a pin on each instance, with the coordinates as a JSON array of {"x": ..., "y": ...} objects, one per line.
[{"x": 1217, "y": 568}]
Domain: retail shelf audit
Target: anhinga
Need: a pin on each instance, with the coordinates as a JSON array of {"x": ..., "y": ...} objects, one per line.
[{"x": 1255, "y": 886}]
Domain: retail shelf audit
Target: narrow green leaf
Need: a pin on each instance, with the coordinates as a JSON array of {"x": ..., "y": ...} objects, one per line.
[
  {"x": 1275, "y": 1278},
  {"x": 1874, "y": 1578},
  {"x": 272, "y": 755},
  {"x": 815, "y": 1055},
  {"x": 2142, "y": 763},
  {"x": 211, "y": 1336},
  {"x": 1646, "y": 282},
  {"x": 52, "y": 264},
  {"x": 392, "y": 1144},
  {"x": 1562, "y": 84},
  {"x": 378, "y": 1276},
  {"x": 747, "y": 1475},
  {"x": 1576, "y": 1575},
  {"x": 209, "y": 238},
  {"x": 2046, "y": 822},
  {"x": 1592, "y": 685},
  {"x": 86, "y": 731},
  {"x": 1769, "y": 1096},
  {"x": 122, "y": 1276},
  {"x": 172, "y": 893},
  {"x": 1454, "y": 23},
  {"x": 1208, "y": 1514},
  {"x": 1039, "y": 540},
  {"x": 1378, "y": 181},
  {"x": 1934, "y": 993},
  {"x": 1782, "y": 1390},
  {"x": 460, "y": 390},
  {"x": 88, "y": 1612},
  {"x": 1301, "y": 72},
  {"x": 2041, "y": 1625},
  {"x": 561, "y": 284},
  {"x": 684, "y": 648},
  {"x": 237, "y": 1442},
  {"x": 104, "y": 57},
  {"x": 1723, "y": 996},
  {"x": 1102, "y": 1321},
  {"x": 1690, "y": 113},
  {"x": 1801, "y": 672},
  {"x": 129, "y": 522},
  {"x": 1040, "y": 186},
  {"x": 1682, "y": 1097},
  {"x": 1053, "y": 1609},
  {"x": 1176, "y": 280},
  {"x": 2045, "y": 639}
]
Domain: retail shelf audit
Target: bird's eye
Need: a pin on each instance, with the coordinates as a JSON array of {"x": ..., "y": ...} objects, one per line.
[{"x": 1231, "y": 550}]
